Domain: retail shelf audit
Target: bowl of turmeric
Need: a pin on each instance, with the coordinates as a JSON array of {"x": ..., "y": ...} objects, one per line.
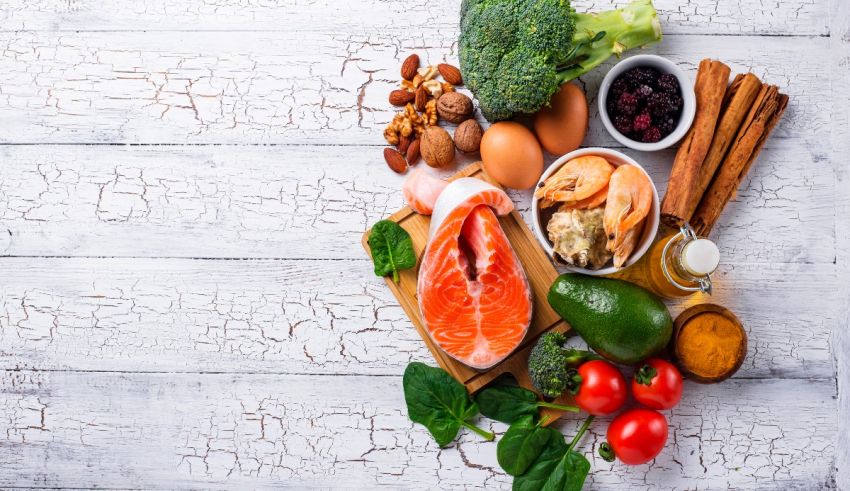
[{"x": 709, "y": 343}]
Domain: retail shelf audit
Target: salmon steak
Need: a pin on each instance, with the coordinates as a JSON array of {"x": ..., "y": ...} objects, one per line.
[{"x": 474, "y": 296}]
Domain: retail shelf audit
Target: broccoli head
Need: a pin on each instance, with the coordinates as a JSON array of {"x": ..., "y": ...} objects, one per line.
[
  {"x": 551, "y": 366},
  {"x": 514, "y": 54}
]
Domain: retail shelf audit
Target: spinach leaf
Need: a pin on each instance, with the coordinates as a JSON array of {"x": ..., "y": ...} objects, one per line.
[
  {"x": 538, "y": 472},
  {"x": 558, "y": 468},
  {"x": 509, "y": 403},
  {"x": 569, "y": 474},
  {"x": 521, "y": 445},
  {"x": 392, "y": 249},
  {"x": 439, "y": 402}
]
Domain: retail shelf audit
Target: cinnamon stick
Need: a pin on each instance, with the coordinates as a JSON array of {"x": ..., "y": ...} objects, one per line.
[
  {"x": 710, "y": 88},
  {"x": 762, "y": 118},
  {"x": 738, "y": 102}
]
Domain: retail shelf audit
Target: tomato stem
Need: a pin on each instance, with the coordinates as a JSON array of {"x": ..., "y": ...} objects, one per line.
[{"x": 581, "y": 431}]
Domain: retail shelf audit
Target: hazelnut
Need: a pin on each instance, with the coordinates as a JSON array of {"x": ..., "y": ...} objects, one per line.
[
  {"x": 468, "y": 136},
  {"x": 454, "y": 107},
  {"x": 437, "y": 147}
]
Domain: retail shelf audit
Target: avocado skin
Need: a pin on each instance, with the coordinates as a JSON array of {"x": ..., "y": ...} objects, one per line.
[{"x": 619, "y": 320}]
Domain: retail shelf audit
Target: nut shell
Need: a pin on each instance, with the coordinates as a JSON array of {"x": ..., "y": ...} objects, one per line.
[
  {"x": 468, "y": 136},
  {"x": 454, "y": 107},
  {"x": 437, "y": 147}
]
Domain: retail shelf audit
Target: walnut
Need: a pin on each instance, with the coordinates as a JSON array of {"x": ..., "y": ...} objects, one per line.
[
  {"x": 468, "y": 136},
  {"x": 391, "y": 132},
  {"x": 437, "y": 147},
  {"x": 408, "y": 85},
  {"x": 447, "y": 87},
  {"x": 429, "y": 116},
  {"x": 454, "y": 107}
]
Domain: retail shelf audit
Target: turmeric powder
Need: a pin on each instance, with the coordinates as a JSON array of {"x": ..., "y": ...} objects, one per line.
[{"x": 709, "y": 345}]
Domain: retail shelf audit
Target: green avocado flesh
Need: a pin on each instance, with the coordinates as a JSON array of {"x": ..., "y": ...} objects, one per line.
[{"x": 619, "y": 320}]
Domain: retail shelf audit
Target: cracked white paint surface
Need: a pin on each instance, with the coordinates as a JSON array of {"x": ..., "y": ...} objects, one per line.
[{"x": 202, "y": 316}]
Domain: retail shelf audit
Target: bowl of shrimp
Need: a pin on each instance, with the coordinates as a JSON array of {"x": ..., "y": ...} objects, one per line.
[{"x": 595, "y": 211}]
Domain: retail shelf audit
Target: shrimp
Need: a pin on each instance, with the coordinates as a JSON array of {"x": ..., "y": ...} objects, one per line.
[
  {"x": 594, "y": 201},
  {"x": 624, "y": 249},
  {"x": 629, "y": 201},
  {"x": 578, "y": 179}
]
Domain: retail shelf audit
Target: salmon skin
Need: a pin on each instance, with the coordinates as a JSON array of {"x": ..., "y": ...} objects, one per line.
[{"x": 473, "y": 293}]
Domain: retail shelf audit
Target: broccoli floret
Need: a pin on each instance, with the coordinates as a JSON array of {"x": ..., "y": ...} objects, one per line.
[
  {"x": 551, "y": 366},
  {"x": 514, "y": 54}
]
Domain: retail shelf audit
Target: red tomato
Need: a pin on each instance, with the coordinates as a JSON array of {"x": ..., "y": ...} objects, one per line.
[
  {"x": 603, "y": 388},
  {"x": 657, "y": 385},
  {"x": 637, "y": 435}
]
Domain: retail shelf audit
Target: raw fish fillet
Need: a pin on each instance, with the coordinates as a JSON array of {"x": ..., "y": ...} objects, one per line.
[
  {"x": 421, "y": 191},
  {"x": 473, "y": 293}
]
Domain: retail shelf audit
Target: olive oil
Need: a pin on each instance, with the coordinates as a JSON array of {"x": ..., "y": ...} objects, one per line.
[{"x": 680, "y": 264}]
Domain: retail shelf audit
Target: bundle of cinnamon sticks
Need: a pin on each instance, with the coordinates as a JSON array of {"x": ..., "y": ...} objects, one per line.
[{"x": 730, "y": 128}]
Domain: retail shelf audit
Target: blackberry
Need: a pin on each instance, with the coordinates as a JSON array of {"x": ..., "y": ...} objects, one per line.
[
  {"x": 642, "y": 121},
  {"x": 623, "y": 124},
  {"x": 668, "y": 83},
  {"x": 661, "y": 103},
  {"x": 665, "y": 125},
  {"x": 643, "y": 92},
  {"x": 626, "y": 104},
  {"x": 618, "y": 87},
  {"x": 651, "y": 135},
  {"x": 641, "y": 75}
]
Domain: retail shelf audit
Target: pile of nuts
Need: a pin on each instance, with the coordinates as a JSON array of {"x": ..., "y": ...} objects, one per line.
[{"x": 415, "y": 130}]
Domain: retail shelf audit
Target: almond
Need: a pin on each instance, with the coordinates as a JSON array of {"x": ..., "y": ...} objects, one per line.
[
  {"x": 403, "y": 144},
  {"x": 413, "y": 152},
  {"x": 409, "y": 67},
  {"x": 450, "y": 74},
  {"x": 421, "y": 98},
  {"x": 400, "y": 97},
  {"x": 395, "y": 160}
]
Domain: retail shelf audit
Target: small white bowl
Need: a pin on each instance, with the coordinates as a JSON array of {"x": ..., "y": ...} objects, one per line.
[
  {"x": 663, "y": 65},
  {"x": 649, "y": 229}
]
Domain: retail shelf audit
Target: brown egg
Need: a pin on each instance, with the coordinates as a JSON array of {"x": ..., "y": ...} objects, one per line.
[
  {"x": 512, "y": 155},
  {"x": 561, "y": 127}
]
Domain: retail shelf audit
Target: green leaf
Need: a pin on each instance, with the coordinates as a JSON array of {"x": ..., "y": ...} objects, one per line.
[
  {"x": 392, "y": 249},
  {"x": 508, "y": 403},
  {"x": 569, "y": 474},
  {"x": 538, "y": 473},
  {"x": 521, "y": 445},
  {"x": 439, "y": 402}
]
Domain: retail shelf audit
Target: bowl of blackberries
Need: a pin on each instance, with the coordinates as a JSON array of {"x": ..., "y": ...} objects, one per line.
[{"x": 647, "y": 102}]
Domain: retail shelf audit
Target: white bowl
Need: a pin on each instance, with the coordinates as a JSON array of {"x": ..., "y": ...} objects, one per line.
[
  {"x": 663, "y": 65},
  {"x": 650, "y": 226}
]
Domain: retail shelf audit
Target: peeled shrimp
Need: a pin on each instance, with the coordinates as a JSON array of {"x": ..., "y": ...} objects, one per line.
[
  {"x": 629, "y": 201},
  {"x": 578, "y": 179},
  {"x": 421, "y": 190}
]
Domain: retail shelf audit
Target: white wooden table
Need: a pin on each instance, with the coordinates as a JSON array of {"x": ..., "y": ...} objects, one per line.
[{"x": 184, "y": 301}]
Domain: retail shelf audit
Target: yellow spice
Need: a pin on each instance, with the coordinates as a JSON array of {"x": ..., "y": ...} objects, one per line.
[{"x": 709, "y": 345}]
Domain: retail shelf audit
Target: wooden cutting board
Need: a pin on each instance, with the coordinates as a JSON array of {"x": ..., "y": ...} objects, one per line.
[{"x": 539, "y": 269}]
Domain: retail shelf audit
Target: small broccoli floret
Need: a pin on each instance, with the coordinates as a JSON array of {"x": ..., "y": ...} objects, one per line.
[
  {"x": 550, "y": 365},
  {"x": 514, "y": 54},
  {"x": 547, "y": 366}
]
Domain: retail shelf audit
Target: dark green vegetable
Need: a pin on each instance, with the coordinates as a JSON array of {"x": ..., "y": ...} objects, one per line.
[
  {"x": 549, "y": 364},
  {"x": 621, "y": 321},
  {"x": 508, "y": 403},
  {"x": 392, "y": 249},
  {"x": 558, "y": 467},
  {"x": 521, "y": 445},
  {"x": 515, "y": 54},
  {"x": 439, "y": 402}
]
